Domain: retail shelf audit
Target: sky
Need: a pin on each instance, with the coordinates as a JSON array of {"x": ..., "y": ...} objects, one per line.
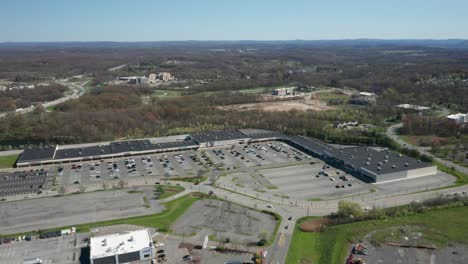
[{"x": 171, "y": 20}]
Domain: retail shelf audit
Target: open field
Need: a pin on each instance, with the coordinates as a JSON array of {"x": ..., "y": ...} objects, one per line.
[
  {"x": 8, "y": 161},
  {"x": 166, "y": 94},
  {"x": 300, "y": 105},
  {"x": 332, "y": 245},
  {"x": 423, "y": 141}
]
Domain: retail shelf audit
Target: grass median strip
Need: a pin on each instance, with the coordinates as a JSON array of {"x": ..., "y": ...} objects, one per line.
[
  {"x": 165, "y": 191},
  {"x": 462, "y": 178},
  {"x": 8, "y": 161},
  {"x": 331, "y": 246}
]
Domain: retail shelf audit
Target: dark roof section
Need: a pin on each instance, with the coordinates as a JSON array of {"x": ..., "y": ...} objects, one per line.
[
  {"x": 37, "y": 153},
  {"x": 93, "y": 151},
  {"x": 378, "y": 162},
  {"x": 266, "y": 134},
  {"x": 125, "y": 146},
  {"x": 312, "y": 144},
  {"x": 145, "y": 144},
  {"x": 175, "y": 144},
  {"x": 228, "y": 134}
]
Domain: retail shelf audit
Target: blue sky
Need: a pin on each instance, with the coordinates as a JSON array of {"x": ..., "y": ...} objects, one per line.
[{"x": 153, "y": 20}]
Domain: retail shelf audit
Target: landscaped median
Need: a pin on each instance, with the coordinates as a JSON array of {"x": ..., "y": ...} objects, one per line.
[
  {"x": 330, "y": 245},
  {"x": 8, "y": 161},
  {"x": 462, "y": 178},
  {"x": 165, "y": 191}
]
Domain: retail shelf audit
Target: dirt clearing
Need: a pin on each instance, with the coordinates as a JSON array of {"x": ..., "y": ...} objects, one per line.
[{"x": 313, "y": 225}]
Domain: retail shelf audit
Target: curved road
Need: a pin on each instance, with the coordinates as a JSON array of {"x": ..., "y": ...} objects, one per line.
[
  {"x": 78, "y": 91},
  {"x": 391, "y": 132}
]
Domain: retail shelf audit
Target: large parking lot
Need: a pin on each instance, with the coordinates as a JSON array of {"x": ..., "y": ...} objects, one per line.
[
  {"x": 24, "y": 181},
  {"x": 225, "y": 221},
  {"x": 35, "y": 214},
  {"x": 57, "y": 250},
  {"x": 168, "y": 165},
  {"x": 273, "y": 168},
  {"x": 309, "y": 181}
]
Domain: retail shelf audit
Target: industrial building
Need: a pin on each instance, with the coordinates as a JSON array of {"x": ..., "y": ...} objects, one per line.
[
  {"x": 129, "y": 247},
  {"x": 377, "y": 166},
  {"x": 458, "y": 118},
  {"x": 363, "y": 98},
  {"x": 417, "y": 108},
  {"x": 135, "y": 79},
  {"x": 284, "y": 91},
  {"x": 365, "y": 163}
]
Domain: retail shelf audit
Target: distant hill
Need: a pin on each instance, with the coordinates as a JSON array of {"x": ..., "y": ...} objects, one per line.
[{"x": 433, "y": 43}]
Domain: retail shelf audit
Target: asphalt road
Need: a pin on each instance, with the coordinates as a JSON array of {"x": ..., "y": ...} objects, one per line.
[
  {"x": 78, "y": 91},
  {"x": 391, "y": 132}
]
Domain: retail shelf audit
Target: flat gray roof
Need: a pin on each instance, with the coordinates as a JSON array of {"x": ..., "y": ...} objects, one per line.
[{"x": 378, "y": 162}]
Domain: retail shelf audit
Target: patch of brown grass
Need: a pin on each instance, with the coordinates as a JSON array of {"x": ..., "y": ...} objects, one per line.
[{"x": 313, "y": 225}]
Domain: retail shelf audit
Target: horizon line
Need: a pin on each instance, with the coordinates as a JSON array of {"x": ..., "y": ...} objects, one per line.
[{"x": 238, "y": 40}]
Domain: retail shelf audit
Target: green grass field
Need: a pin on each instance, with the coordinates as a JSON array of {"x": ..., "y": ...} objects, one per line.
[
  {"x": 331, "y": 246},
  {"x": 166, "y": 94},
  {"x": 8, "y": 161},
  {"x": 166, "y": 191}
]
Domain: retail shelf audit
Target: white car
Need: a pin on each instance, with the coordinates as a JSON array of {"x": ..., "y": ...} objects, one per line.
[{"x": 269, "y": 206}]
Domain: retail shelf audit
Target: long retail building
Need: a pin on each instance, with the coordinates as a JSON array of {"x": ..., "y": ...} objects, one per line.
[{"x": 365, "y": 163}]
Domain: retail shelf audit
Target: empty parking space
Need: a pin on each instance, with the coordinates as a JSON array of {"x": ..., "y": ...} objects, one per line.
[
  {"x": 34, "y": 214},
  {"x": 309, "y": 181},
  {"x": 63, "y": 250},
  {"x": 23, "y": 182}
]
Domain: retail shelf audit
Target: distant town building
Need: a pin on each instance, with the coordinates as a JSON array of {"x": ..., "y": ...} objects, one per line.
[
  {"x": 417, "y": 108},
  {"x": 363, "y": 98},
  {"x": 284, "y": 91},
  {"x": 152, "y": 78},
  {"x": 165, "y": 76},
  {"x": 346, "y": 124},
  {"x": 134, "y": 79},
  {"x": 459, "y": 118}
]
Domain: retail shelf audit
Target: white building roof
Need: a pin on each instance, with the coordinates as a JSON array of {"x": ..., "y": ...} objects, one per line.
[
  {"x": 413, "y": 107},
  {"x": 456, "y": 116},
  {"x": 366, "y": 94},
  {"x": 116, "y": 244}
]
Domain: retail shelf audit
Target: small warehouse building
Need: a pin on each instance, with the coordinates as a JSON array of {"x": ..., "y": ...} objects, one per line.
[
  {"x": 130, "y": 247},
  {"x": 375, "y": 166}
]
